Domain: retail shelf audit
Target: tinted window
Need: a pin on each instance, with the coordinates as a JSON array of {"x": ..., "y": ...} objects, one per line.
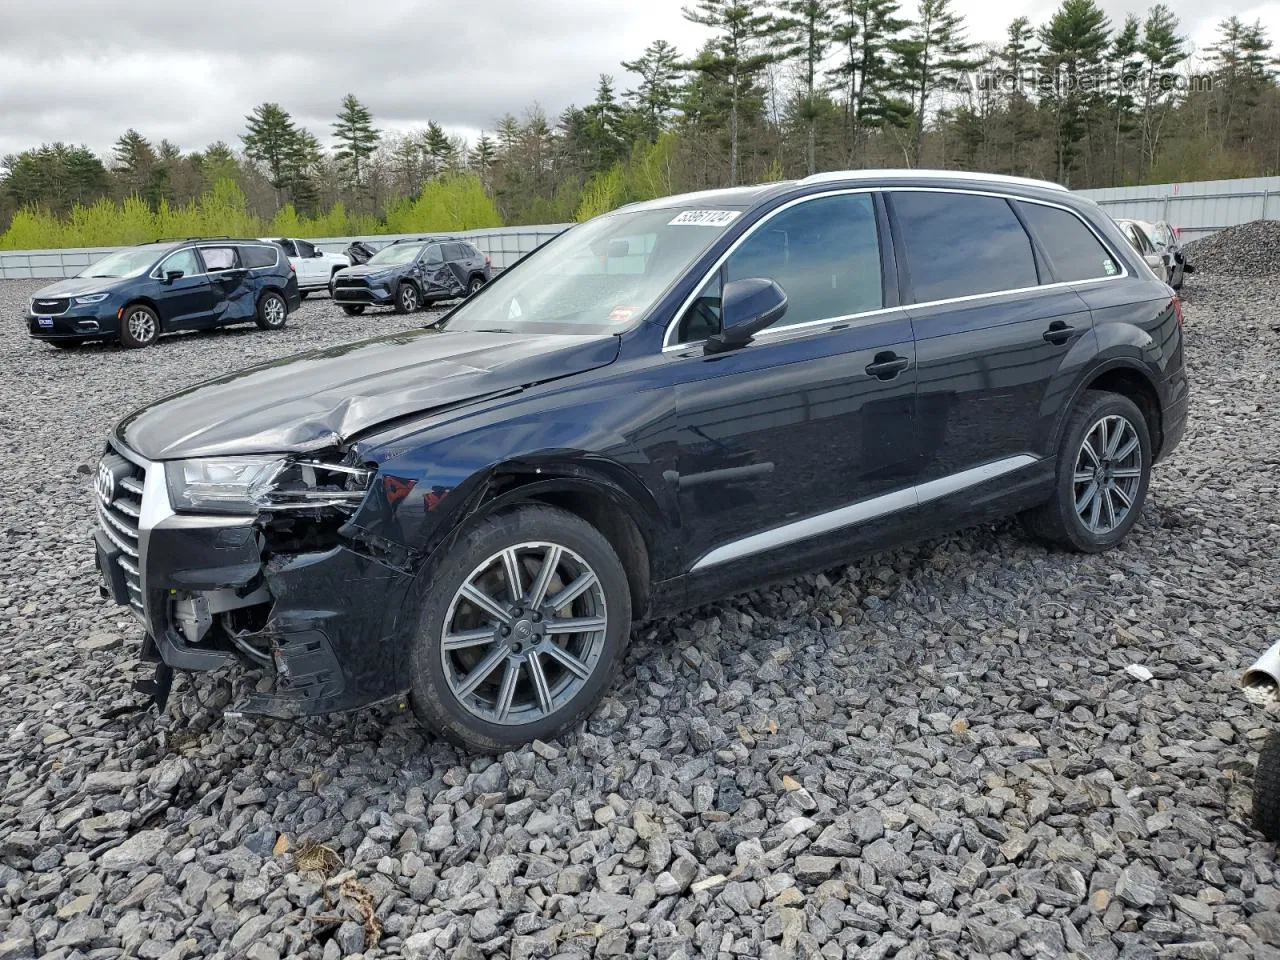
[
  {"x": 252, "y": 257},
  {"x": 305, "y": 249},
  {"x": 433, "y": 254},
  {"x": 218, "y": 258},
  {"x": 184, "y": 260},
  {"x": 288, "y": 247},
  {"x": 1074, "y": 252},
  {"x": 960, "y": 244}
]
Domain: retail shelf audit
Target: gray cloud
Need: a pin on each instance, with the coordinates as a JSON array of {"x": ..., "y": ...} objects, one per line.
[{"x": 83, "y": 70}]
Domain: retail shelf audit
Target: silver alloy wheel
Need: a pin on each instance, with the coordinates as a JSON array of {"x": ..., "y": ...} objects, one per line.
[
  {"x": 142, "y": 326},
  {"x": 524, "y": 633},
  {"x": 409, "y": 297},
  {"x": 273, "y": 311},
  {"x": 1108, "y": 474},
  {"x": 476, "y": 284}
]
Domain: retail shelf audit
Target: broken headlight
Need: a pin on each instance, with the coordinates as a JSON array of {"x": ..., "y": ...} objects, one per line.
[{"x": 247, "y": 485}]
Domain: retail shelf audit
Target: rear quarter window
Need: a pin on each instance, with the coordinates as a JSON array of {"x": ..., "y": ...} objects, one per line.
[
  {"x": 1074, "y": 251},
  {"x": 254, "y": 257}
]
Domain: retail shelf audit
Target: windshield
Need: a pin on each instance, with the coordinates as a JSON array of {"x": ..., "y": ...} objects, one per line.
[
  {"x": 600, "y": 277},
  {"x": 396, "y": 253},
  {"x": 125, "y": 263}
]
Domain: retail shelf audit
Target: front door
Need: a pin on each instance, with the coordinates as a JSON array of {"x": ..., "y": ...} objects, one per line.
[
  {"x": 184, "y": 301},
  {"x": 801, "y": 442}
]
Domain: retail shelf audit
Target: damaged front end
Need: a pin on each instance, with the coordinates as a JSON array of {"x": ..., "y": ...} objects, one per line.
[{"x": 256, "y": 560}]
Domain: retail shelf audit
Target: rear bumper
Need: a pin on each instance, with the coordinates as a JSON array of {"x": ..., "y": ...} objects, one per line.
[{"x": 1174, "y": 426}]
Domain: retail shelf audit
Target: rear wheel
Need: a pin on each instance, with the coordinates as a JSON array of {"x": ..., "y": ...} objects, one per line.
[
  {"x": 407, "y": 298},
  {"x": 474, "y": 286},
  {"x": 353, "y": 309},
  {"x": 1104, "y": 468},
  {"x": 140, "y": 326},
  {"x": 272, "y": 311},
  {"x": 525, "y": 624}
]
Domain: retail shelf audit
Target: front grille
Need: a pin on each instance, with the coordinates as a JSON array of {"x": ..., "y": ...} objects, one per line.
[
  {"x": 50, "y": 306},
  {"x": 356, "y": 291},
  {"x": 118, "y": 489}
]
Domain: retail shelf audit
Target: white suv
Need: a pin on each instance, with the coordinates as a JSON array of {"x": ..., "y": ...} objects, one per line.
[{"x": 314, "y": 267}]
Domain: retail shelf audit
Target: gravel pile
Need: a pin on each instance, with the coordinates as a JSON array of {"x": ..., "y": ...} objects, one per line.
[
  {"x": 1249, "y": 250},
  {"x": 973, "y": 746}
]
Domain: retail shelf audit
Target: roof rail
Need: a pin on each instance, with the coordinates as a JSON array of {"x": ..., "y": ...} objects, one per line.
[
  {"x": 182, "y": 240},
  {"x": 901, "y": 174},
  {"x": 434, "y": 239}
]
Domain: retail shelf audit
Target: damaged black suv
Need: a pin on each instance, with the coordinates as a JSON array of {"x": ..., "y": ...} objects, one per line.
[
  {"x": 675, "y": 401},
  {"x": 411, "y": 273}
]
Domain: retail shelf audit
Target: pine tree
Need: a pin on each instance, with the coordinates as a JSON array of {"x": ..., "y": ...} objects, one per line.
[
  {"x": 1126, "y": 64},
  {"x": 301, "y": 168},
  {"x": 734, "y": 57},
  {"x": 806, "y": 29},
  {"x": 482, "y": 155},
  {"x": 272, "y": 141},
  {"x": 1073, "y": 42},
  {"x": 932, "y": 57},
  {"x": 357, "y": 138},
  {"x": 134, "y": 163},
  {"x": 659, "y": 89},
  {"x": 438, "y": 150},
  {"x": 1161, "y": 50},
  {"x": 603, "y": 127},
  {"x": 865, "y": 33},
  {"x": 508, "y": 132}
]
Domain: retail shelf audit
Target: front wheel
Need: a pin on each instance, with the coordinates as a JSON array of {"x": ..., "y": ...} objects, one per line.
[
  {"x": 407, "y": 299},
  {"x": 353, "y": 309},
  {"x": 140, "y": 327},
  {"x": 1104, "y": 469},
  {"x": 525, "y": 624},
  {"x": 272, "y": 311}
]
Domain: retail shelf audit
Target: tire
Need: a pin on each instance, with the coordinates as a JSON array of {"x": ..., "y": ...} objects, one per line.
[
  {"x": 1266, "y": 790},
  {"x": 353, "y": 309},
  {"x": 1059, "y": 521},
  {"x": 473, "y": 287},
  {"x": 273, "y": 311},
  {"x": 574, "y": 676},
  {"x": 408, "y": 299},
  {"x": 140, "y": 327}
]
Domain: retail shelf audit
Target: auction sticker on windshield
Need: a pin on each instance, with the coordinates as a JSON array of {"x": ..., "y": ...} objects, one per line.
[{"x": 704, "y": 218}]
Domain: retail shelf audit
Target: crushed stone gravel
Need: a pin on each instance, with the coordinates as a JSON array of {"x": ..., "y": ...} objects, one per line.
[
  {"x": 939, "y": 751},
  {"x": 1248, "y": 250}
]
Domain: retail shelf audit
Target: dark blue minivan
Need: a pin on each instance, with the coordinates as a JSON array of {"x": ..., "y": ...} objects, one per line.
[
  {"x": 674, "y": 401},
  {"x": 136, "y": 294}
]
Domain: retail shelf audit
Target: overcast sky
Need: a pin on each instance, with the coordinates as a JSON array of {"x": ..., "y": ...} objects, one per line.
[{"x": 85, "y": 70}]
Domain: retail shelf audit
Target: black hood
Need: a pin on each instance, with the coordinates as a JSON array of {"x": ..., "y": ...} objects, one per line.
[
  {"x": 321, "y": 399},
  {"x": 76, "y": 287}
]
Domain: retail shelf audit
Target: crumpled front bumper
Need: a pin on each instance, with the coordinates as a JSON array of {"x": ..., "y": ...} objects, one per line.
[{"x": 332, "y": 619}]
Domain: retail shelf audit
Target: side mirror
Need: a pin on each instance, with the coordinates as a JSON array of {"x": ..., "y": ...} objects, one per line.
[
  {"x": 746, "y": 307},
  {"x": 172, "y": 275},
  {"x": 317, "y": 252}
]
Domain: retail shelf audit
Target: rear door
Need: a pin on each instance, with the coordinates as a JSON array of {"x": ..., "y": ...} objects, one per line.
[
  {"x": 186, "y": 301},
  {"x": 994, "y": 332},
  {"x": 439, "y": 272},
  {"x": 803, "y": 438},
  {"x": 232, "y": 291}
]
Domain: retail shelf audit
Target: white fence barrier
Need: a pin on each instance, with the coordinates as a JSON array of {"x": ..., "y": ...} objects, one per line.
[
  {"x": 503, "y": 246},
  {"x": 1196, "y": 209}
]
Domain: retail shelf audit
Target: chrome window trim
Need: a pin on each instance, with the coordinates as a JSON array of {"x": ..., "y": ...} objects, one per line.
[
  {"x": 774, "y": 332},
  {"x": 156, "y": 274},
  {"x": 864, "y": 510}
]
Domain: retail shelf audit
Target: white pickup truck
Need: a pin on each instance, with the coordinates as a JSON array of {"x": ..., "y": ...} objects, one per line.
[{"x": 314, "y": 267}]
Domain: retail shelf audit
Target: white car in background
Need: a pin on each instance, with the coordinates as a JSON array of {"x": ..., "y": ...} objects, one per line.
[{"x": 314, "y": 267}]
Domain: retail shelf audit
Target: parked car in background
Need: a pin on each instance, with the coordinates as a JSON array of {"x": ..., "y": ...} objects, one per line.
[
  {"x": 359, "y": 251},
  {"x": 134, "y": 295},
  {"x": 1160, "y": 247},
  {"x": 411, "y": 273},
  {"x": 315, "y": 267},
  {"x": 678, "y": 400}
]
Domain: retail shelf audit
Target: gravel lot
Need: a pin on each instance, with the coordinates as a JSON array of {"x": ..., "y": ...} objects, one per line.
[{"x": 943, "y": 751}]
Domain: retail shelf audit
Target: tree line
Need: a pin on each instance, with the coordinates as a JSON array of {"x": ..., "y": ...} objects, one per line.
[{"x": 778, "y": 91}]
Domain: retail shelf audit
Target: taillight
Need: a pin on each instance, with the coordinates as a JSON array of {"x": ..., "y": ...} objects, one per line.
[
  {"x": 488, "y": 261},
  {"x": 1177, "y": 310},
  {"x": 292, "y": 267}
]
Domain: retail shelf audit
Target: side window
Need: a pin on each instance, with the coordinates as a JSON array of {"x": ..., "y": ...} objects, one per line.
[
  {"x": 434, "y": 254},
  {"x": 305, "y": 249},
  {"x": 257, "y": 256},
  {"x": 218, "y": 258},
  {"x": 184, "y": 260},
  {"x": 287, "y": 246},
  {"x": 962, "y": 244},
  {"x": 824, "y": 253},
  {"x": 1074, "y": 252}
]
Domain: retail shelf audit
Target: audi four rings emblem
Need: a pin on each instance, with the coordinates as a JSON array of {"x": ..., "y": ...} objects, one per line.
[{"x": 105, "y": 484}]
